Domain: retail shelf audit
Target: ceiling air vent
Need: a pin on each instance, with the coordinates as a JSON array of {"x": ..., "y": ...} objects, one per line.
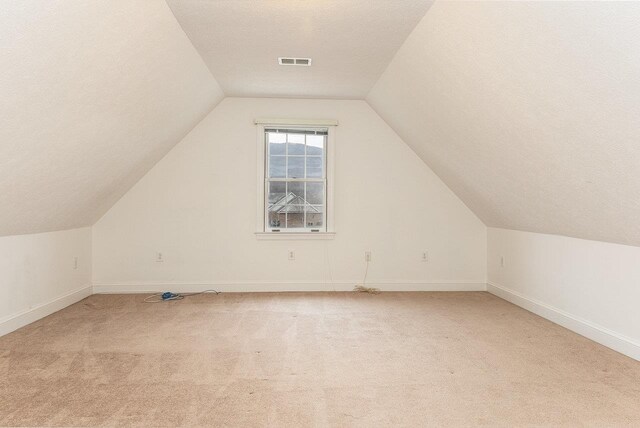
[{"x": 294, "y": 61}]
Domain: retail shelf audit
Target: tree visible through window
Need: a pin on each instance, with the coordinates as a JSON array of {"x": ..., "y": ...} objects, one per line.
[{"x": 296, "y": 179}]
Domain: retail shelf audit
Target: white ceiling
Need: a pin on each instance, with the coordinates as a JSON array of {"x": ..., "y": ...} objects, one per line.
[
  {"x": 92, "y": 95},
  {"x": 529, "y": 111},
  {"x": 350, "y": 41}
]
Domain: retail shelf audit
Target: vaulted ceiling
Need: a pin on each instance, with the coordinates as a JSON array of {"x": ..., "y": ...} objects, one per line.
[
  {"x": 92, "y": 95},
  {"x": 527, "y": 110},
  {"x": 350, "y": 42}
]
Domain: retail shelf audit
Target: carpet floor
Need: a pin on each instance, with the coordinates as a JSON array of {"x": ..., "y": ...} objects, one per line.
[{"x": 311, "y": 359}]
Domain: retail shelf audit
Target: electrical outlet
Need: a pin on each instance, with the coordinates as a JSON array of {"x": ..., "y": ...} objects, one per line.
[
  {"x": 291, "y": 255},
  {"x": 75, "y": 263},
  {"x": 502, "y": 261},
  {"x": 159, "y": 257},
  {"x": 367, "y": 256},
  {"x": 425, "y": 256}
]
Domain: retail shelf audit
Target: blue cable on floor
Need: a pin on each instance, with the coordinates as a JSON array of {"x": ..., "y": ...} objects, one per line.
[{"x": 168, "y": 296}]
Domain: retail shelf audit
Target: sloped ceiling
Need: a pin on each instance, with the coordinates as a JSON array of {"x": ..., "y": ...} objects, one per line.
[
  {"x": 350, "y": 41},
  {"x": 92, "y": 94},
  {"x": 529, "y": 111}
]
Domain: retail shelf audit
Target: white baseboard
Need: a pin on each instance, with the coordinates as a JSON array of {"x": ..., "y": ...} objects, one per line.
[
  {"x": 599, "y": 334},
  {"x": 282, "y": 286},
  {"x": 15, "y": 321}
]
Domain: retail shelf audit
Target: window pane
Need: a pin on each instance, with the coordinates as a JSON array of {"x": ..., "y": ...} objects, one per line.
[
  {"x": 277, "y": 166},
  {"x": 315, "y": 145},
  {"x": 295, "y": 217},
  {"x": 276, "y": 143},
  {"x": 295, "y": 145},
  {"x": 295, "y": 190},
  {"x": 314, "y": 167},
  {"x": 314, "y": 216},
  {"x": 315, "y": 193},
  {"x": 277, "y": 219},
  {"x": 295, "y": 168},
  {"x": 277, "y": 190}
]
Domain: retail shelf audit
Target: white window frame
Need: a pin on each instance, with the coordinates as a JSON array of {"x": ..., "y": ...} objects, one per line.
[
  {"x": 262, "y": 232},
  {"x": 322, "y": 180}
]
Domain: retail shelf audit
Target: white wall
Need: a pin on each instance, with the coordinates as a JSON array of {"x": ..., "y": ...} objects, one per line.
[
  {"x": 198, "y": 205},
  {"x": 588, "y": 286},
  {"x": 37, "y": 274}
]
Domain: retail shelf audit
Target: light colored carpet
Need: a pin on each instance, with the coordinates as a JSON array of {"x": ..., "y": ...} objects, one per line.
[{"x": 311, "y": 359}]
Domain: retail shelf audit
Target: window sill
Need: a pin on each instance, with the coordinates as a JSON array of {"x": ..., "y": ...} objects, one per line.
[{"x": 294, "y": 236}]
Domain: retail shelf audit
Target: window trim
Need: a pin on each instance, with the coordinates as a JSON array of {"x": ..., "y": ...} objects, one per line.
[{"x": 261, "y": 206}]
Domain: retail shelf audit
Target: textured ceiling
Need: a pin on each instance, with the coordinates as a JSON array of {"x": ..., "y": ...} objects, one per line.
[
  {"x": 351, "y": 42},
  {"x": 92, "y": 94},
  {"x": 529, "y": 111}
]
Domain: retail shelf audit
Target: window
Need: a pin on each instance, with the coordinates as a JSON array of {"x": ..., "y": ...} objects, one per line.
[{"x": 295, "y": 180}]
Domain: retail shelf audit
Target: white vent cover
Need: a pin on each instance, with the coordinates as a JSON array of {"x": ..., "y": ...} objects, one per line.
[{"x": 305, "y": 62}]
